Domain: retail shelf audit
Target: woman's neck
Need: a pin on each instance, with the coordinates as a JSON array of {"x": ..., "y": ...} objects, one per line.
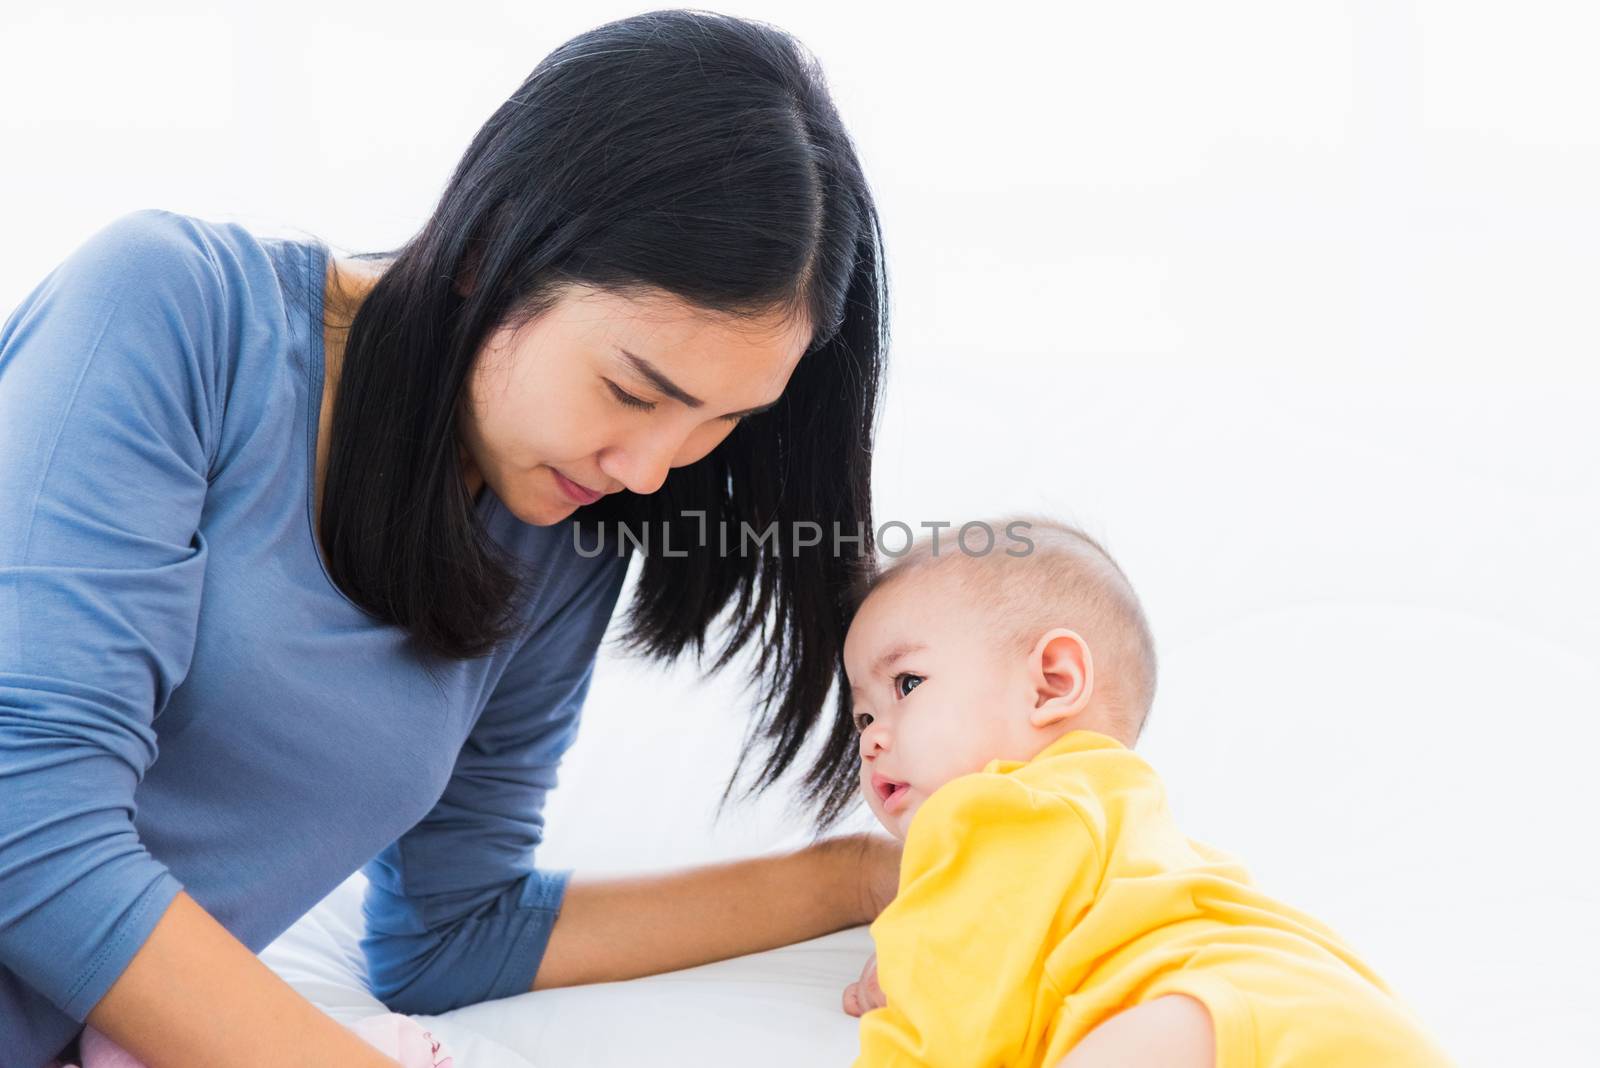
[{"x": 344, "y": 288}]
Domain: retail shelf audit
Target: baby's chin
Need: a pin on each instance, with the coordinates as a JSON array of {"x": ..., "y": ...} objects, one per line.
[
  {"x": 892, "y": 825},
  {"x": 898, "y": 823}
]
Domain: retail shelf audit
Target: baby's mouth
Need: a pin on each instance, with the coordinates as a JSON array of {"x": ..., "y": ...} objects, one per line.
[{"x": 887, "y": 788}]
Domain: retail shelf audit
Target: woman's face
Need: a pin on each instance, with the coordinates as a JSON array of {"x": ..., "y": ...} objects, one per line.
[{"x": 606, "y": 392}]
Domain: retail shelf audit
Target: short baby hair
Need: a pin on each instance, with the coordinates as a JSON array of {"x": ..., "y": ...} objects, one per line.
[{"x": 1041, "y": 573}]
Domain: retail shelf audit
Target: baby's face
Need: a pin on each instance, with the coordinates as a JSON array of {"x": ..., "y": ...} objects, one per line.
[{"x": 933, "y": 700}]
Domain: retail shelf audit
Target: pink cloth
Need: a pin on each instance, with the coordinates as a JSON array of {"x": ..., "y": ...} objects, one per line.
[{"x": 394, "y": 1035}]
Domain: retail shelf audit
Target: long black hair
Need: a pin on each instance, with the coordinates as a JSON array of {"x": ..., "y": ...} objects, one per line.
[{"x": 698, "y": 154}]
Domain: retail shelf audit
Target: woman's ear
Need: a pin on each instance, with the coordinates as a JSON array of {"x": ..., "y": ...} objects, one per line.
[{"x": 1061, "y": 670}]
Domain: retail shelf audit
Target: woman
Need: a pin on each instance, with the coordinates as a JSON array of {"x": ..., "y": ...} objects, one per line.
[{"x": 306, "y": 527}]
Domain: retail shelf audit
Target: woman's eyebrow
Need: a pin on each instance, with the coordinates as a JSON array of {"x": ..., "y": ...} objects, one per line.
[{"x": 666, "y": 385}]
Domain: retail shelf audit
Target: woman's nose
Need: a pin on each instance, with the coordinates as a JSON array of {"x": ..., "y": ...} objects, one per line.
[{"x": 641, "y": 463}]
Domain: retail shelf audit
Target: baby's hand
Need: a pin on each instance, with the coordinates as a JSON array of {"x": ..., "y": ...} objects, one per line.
[{"x": 864, "y": 995}]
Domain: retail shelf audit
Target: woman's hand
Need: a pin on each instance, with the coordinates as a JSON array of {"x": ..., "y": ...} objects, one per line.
[
  {"x": 864, "y": 995},
  {"x": 876, "y": 861},
  {"x": 622, "y": 927},
  {"x": 874, "y": 871}
]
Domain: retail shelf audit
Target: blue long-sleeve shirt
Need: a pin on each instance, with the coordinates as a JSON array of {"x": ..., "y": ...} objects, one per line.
[{"x": 187, "y": 702}]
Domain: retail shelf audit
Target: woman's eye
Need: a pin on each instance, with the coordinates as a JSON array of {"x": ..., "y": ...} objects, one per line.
[
  {"x": 863, "y": 720},
  {"x": 628, "y": 398},
  {"x": 905, "y": 675}
]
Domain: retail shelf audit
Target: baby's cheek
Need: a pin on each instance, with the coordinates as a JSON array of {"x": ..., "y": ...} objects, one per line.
[
  {"x": 908, "y": 812},
  {"x": 871, "y": 798}
]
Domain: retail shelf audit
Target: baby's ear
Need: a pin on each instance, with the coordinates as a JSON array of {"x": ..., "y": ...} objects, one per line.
[{"x": 1061, "y": 669}]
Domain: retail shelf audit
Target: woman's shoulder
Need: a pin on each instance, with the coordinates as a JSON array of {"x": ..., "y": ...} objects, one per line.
[
  {"x": 142, "y": 249},
  {"x": 163, "y": 267},
  {"x": 188, "y": 316}
]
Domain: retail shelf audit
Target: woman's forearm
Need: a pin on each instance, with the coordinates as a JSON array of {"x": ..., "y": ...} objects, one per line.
[
  {"x": 194, "y": 994},
  {"x": 625, "y": 927}
]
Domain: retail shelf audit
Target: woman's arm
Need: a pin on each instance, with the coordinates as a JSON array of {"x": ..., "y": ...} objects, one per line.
[
  {"x": 194, "y": 994},
  {"x": 109, "y": 432},
  {"x": 625, "y": 927}
]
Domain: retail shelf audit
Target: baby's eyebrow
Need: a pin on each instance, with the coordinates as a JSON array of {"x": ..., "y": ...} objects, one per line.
[{"x": 890, "y": 655}]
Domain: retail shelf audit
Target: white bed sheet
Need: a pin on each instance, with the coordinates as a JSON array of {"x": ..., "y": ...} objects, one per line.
[{"x": 778, "y": 1009}]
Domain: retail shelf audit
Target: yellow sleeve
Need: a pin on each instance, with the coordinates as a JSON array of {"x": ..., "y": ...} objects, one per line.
[{"x": 993, "y": 873}]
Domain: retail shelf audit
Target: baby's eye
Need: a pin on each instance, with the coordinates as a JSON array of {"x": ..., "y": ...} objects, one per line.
[
  {"x": 863, "y": 719},
  {"x": 905, "y": 675}
]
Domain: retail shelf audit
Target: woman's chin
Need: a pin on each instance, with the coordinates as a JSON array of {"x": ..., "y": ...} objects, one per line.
[{"x": 540, "y": 513}]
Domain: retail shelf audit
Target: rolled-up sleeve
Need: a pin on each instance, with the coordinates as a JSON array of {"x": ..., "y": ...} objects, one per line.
[
  {"x": 455, "y": 910},
  {"x": 106, "y": 375}
]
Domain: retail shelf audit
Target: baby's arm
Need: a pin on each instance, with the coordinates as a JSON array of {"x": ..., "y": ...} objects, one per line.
[
  {"x": 989, "y": 866},
  {"x": 1173, "y": 1031}
]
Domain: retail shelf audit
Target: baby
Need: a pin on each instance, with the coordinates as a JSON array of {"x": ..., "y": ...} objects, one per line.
[{"x": 1050, "y": 914}]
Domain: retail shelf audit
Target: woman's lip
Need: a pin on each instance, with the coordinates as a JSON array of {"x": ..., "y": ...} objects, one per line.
[
  {"x": 575, "y": 491},
  {"x": 897, "y": 800}
]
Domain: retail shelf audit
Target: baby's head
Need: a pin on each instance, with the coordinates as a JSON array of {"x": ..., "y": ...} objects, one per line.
[{"x": 955, "y": 660}]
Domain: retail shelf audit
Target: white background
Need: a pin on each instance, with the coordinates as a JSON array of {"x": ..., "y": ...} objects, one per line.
[{"x": 1293, "y": 305}]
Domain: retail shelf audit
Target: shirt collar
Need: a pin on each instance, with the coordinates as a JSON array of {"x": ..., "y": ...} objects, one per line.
[{"x": 1070, "y": 742}]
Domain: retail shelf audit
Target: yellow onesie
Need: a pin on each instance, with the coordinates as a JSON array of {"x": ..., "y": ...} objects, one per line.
[{"x": 1039, "y": 898}]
